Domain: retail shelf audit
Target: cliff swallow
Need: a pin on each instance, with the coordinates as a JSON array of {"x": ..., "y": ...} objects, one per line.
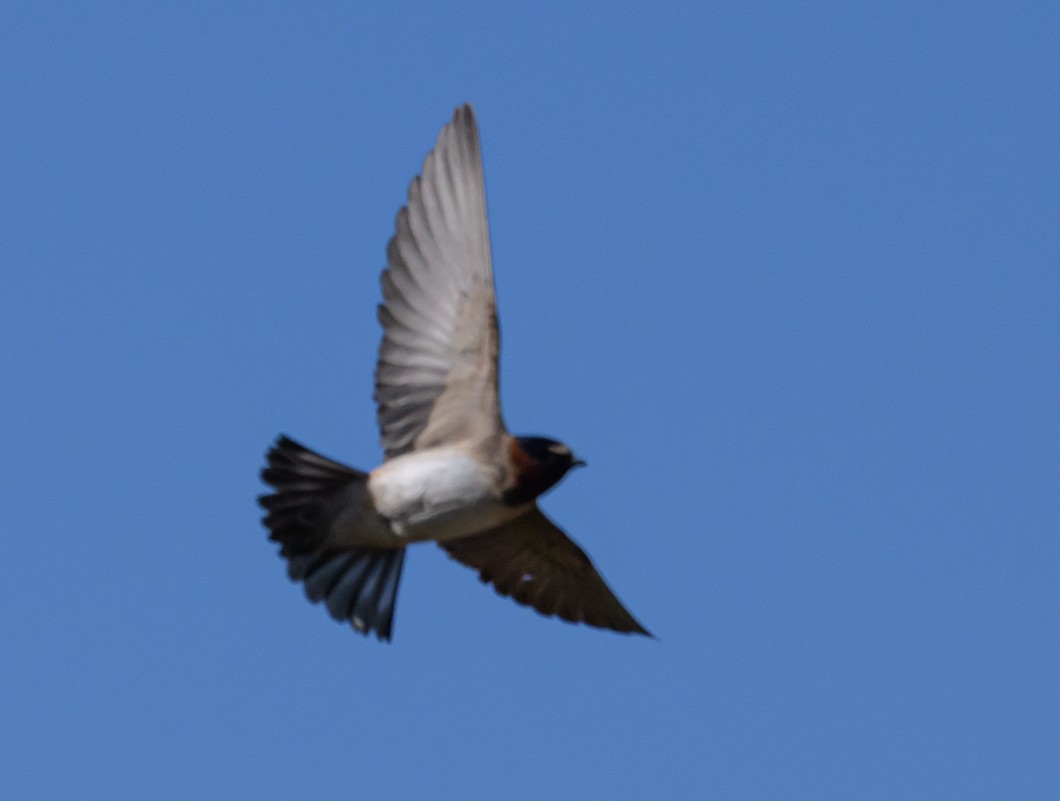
[{"x": 452, "y": 473}]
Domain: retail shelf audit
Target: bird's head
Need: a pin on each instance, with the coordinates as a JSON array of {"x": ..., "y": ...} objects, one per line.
[{"x": 539, "y": 463}]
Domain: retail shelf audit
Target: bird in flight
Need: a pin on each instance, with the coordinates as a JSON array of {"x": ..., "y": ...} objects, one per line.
[{"x": 451, "y": 472}]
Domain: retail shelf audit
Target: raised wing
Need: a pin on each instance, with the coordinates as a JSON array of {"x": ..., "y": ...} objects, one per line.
[
  {"x": 436, "y": 377},
  {"x": 534, "y": 562}
]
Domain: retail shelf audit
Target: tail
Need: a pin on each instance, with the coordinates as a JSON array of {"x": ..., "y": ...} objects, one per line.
[{"x": 357, "y": 584}]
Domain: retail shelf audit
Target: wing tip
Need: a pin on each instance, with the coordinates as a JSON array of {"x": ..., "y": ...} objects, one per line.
[
  {"x": 463, "y": 129},
  {"x": 464, "y": 113},
  {"x": 639, "y": 629},
  {"x": 627, "y": 624}
]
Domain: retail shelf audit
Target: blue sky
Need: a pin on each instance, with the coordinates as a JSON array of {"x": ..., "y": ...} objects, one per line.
[{"x": 786, "y": 275}]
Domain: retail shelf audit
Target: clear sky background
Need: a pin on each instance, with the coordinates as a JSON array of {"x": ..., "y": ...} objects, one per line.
[{"x": 786, "y": 275}]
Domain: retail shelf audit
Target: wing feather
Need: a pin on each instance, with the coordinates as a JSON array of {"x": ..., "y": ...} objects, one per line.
[
  {"x": 436, "y": 377},
  {"x": 534, "y": 562}
]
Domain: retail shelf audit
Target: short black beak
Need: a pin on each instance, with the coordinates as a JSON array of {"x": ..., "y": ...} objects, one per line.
[{"x": 578, "y": 463}]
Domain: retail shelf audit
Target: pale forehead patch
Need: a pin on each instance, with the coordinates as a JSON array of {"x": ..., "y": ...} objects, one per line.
[{"x": 559, "y": 449}]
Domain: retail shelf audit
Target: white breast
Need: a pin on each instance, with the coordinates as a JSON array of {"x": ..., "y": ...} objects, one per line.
[{"x": 437, "y": 494}]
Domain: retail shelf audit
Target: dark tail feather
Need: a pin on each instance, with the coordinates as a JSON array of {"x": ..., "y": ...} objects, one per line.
[
  {"x": 297, "y": 512},
  {"x": 358, "y": 584}
]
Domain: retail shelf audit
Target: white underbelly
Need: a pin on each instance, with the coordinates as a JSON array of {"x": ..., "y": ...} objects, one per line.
[{"x": 438, "y": 494}]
